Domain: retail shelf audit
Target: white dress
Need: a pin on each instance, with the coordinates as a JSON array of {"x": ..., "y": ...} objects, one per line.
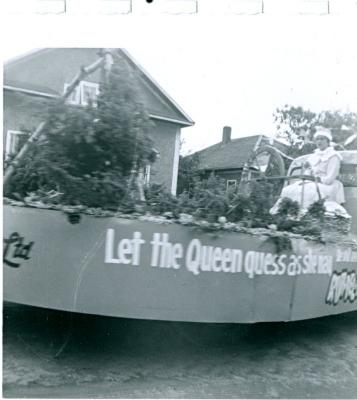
[{"x": 324, "y": 164}]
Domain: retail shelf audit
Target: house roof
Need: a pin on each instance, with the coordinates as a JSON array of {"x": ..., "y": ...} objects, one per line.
[
  {"x": 155, "y": 84},
  {"x": 231, "y": 155},
  {"x": 159, "y": 104},
  {"x": 25, "y": 56}
]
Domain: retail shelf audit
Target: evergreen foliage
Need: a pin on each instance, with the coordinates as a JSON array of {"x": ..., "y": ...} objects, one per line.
[
  {"x": 87, "y": 153},
  {"x": 209, "y": 200},
  {"x": 159, "y": 200},
  {"x": 297, "y": 126},
  {"x": 188, "y": 173}
]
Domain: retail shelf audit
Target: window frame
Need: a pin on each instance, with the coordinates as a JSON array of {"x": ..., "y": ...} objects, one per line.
[
  {"x": 228, "y": 183},
  {"x": 147, "y": 174},
  {"x": 79, "y": 93},
  {"x": 9, "y": 144},
  {"x": 92, "y": 85},
  {"x": 76, "y": 91}
]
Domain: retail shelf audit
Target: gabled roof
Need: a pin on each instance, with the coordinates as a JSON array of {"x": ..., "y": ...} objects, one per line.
[
  {"x": 25, "y": 56},
  {"x": 155, "y": 84},
  {"x": 17, "y": 78},
  {"x": 231, "y": 155}
]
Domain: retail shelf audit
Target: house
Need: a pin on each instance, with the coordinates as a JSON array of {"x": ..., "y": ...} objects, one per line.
[
  {"x": 227, "y": 158},
  {"x": 34, "y": 79}
]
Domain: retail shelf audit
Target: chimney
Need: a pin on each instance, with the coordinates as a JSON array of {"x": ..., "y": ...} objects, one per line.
[{"x": 226, "y": 136}]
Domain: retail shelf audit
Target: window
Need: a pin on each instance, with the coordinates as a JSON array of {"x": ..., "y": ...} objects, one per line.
[
  {"x": 147, "y": 171},
  {"x": 74, "y": 97},
  {"x": 231, "y": 183},
  {"x": 89, "y": 92},
  {"x": 14, "y": 141},
  {"x": 144, "y": 174},
  {"x": 83, "y": 93}
]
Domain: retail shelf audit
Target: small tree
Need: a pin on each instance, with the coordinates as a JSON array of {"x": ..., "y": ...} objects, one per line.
[
  {"x": 338, "y": 121},
  {"x": 297, "y": 126},
  {"x": 188, "y": 173},
  {"x": 293, "y": 123},
  {"x": 88, "y": 153}
]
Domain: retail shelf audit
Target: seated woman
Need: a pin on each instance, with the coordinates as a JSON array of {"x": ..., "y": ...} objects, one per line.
[{"x": 324, "y": 165}]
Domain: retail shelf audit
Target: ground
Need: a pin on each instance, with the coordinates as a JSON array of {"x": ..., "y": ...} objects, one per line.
[{"x": 56, "y": 354}]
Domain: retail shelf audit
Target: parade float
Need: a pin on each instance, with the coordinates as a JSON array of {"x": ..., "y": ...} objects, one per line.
[
  {"x": 179, "y": 266},
  {"x": 151, "y": 267}
]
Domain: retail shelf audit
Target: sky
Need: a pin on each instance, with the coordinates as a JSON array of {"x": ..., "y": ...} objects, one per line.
[{"x": 231, "y": 71}]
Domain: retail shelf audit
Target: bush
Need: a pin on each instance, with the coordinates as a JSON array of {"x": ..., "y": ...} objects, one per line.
[
  {"x": 159, "y": 200},
  {"x": 88, "y": 153},
  {"x": 208, "y": 199}
]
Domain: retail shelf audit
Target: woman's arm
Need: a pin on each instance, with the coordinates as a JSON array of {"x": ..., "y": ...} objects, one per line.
[{"x": 333, "y": 170}]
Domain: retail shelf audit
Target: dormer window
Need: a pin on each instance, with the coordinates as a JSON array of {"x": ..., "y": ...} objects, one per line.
[{"x": 83, "y": 94}]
